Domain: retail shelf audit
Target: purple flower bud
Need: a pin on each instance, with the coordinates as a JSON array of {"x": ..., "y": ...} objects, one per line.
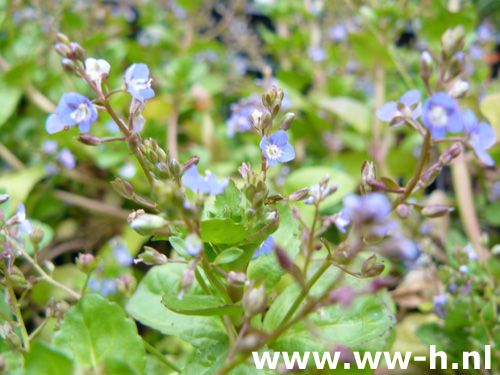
[{"x": 439, "y": 305}]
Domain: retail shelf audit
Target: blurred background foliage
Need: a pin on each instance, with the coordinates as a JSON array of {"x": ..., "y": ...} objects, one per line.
[{"x": 338, "y": 61}]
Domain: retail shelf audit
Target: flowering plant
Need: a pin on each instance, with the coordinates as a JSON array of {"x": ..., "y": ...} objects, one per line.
[{"x": 221, "y": 233}]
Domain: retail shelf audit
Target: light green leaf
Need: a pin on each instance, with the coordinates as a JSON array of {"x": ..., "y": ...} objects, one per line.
[
  {"x": 199, "y": 305},
  {"x": 94, "y": 329},
  {"x": 19, "y": 184},
  {"x": 353, "y": 112},
  {"x": 43, "y": 359},
  {"x": 222, "y": 231},
  {"x": 9, "y": 98},
  {"x": 288, "y": 238},
  {"x": 228, "y": 255},
  {"x": 145, "y": 305}
]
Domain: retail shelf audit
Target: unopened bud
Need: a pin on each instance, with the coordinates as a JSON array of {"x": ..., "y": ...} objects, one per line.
[
  {"x": 50, "y": 308},
  {"x": 452, "y": 41},
  {"x": 68, "y": 65},
  {"x": 287, "y": 121},
  {"x": 255, "y": 301},
  {"x": 175, "y": 168},
  {"x": 187, "y": 279},
  {"x": 9, "y": 335},
  {"x": 63, "y": 50},
  {"x": 86, "y": 263},
  {"x": 4, "y": 198},
  {"x": 237, "y": 278},
  {"x": 428, "y": 177},
  {"x": 368, "y": 173},
  {"x": 436, "y": 210},
  {"x": 126, "y": 284},
  {"x": 62, "y": 38},
  {"x": 459, "y": 89},
  {"x": 403, "y": 211},
  {"x": 284, "y": 260},
  {"x": 457, "y": 64},
  {"x": 368, "y": 264},
  {"x": 426, "y": 66},
  {"x": 266, "y": 119},
  {"x": 16, "y": 277},
  {"x": 151, "y": 257},
  {"x": 89, "y": 139},
  {"x": 450, "y": 154},
  {"x": 78, "y": 51},
  {"x": 36, "y": 236},
  {"x": 299, "y": 194},
  {"x": 122, "y": 187},
  {"x": 192, "y": 161},
  {"x": 341, "y": 257},
  {"x": 148, "y": 224}
]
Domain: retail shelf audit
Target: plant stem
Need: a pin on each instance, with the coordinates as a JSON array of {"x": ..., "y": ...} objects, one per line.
[
  {"x": 311, "y": 238},
  {"x": 156, "y": 353},
  {"x": 17, "y": 311},
  {"x": 172, "y": 131},
  {"x": 10, "y": 158}
]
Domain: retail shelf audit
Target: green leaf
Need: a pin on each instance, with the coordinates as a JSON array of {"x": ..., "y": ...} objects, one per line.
[
  {"x": 9, "y": 98},
  {"x": 228, "y": 255},
  {"x": 179, "y": 246},
  {"x": 19, "y": 184},
  {"x": 490, "y": 108},
  {"x": 118, "y": 366},
  {"x": 288, "y": 238},
  {"x": 145, "y": 305},
  {"x": 199, "y": 305},
  {"x": 492, "y": 214},
  {"x": 43, "y": 359},
  {"x": 353, "y": 112},
  {"x": 228, "y": 204},
  {"x": 94, "y": 329},
  {"x": 365, "y": 319},
  {"x": 222, "y": 231}
]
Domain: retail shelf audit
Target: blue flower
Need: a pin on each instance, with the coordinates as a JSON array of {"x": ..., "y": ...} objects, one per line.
[
  {"x": 194, "y": 245},
  {"x": 413, "y": 108},
  {"x": 277, "y": 148},
  {"x": 439, "y": 305},
  {"x": 481, "y": 136},
  {"x": 97, "y": 69},
  {"x": 441, "y": 115},
  {"x": 370, "y": 211},
  {"x": 50, "y": 147},
  {"x": 342, "y": 220},
  {"x": 204, "y": 185},
  {"x": 316, "y": 54},
  {"x": 105, "y": 286},
  {"x": 24, "y": 224},
  {"x": 265, "y": 248},
  {"x": 67, "y": 159},
  {"x": 121, "y": 252},
  {"x": 73, "y": 109},
  {"x": 241, "y": 113},
  {"x": 138, "y": 82}
]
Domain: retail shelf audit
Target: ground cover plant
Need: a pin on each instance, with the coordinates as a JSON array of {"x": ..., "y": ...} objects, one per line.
[{"x": 187, "y": 182}]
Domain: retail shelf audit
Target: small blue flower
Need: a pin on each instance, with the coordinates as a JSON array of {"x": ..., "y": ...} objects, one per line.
[
  {"x": 241, "y": 113},
  {"x": 73, "y": 109},
  {"x": 439, "y": 305},
  {"x": 481, "y": 136},
  {"x": 49, "y": 147},
  {"x": 316, "y": 54},
  {"x": 370, "y": 211},
  {"x": 277, "y": 148},
  {"x": 128, "y": 170},
  {"x": 67, "y": 159},
  {"x": 342, "y": 221},
  {"x": 121, "y": 252},
  {"x": 265, "y": 248},
  {"x": 194, "y": 245},
  {"x": 204, "y": 185},
  {"x": 463, "y": 269},
  {"x": 97, "y": 69},
  {"x": 138, "y": 82},
  {"x": 411, "y": 100},
  {"x": 471, "y": 253},
  {"x": 24, "y": 224},
  {"x": 441, "y": 115},
  {"x": 105, "y": 286}
]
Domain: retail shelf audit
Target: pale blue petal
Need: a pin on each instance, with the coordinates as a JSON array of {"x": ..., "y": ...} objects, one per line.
[
  {"x": 54, "y": 124},
  {"x": 287, "y": 155},
  {"x": 410, "y": 98},
  {"x": 470, "y": 120},
  {"x": 279, "y": 138},
  {"x": 487, "y": 135},
  {"x": 387, "y": 112}
]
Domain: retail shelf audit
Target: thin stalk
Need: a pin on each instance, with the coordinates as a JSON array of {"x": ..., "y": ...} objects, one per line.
[{"x": 156, "y": 353}]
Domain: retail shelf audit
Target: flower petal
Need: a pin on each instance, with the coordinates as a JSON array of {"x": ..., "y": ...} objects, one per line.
[
  {"x": 387, "y": 112},
  {"x": 53, "y": 124},
  {"x": 470, "y": 120},
  {"x": 280, "y": 138},
  {"x": 288, "y": 154},
  {"x": 410, "y": 97},
  {"x": 487, "y": 135}
]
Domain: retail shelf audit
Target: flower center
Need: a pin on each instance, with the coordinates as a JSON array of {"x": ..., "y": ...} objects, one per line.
[
  {"x": 82, "y": 113},
  {"x": 438, "y": 117},
  {"x": 274, "y": 152}
]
